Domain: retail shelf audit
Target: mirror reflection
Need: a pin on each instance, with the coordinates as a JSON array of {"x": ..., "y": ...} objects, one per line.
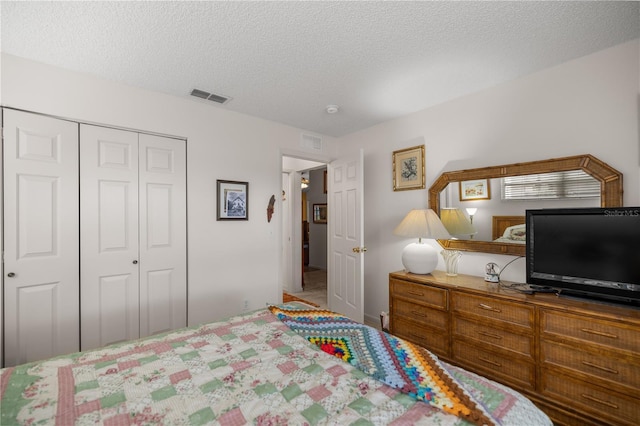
[
  {"x": 484, "y": 208},
  {"x": 497, "y": 213}
]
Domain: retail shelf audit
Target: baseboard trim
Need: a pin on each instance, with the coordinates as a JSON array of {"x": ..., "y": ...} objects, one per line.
[{"x": 372, "y": 321}]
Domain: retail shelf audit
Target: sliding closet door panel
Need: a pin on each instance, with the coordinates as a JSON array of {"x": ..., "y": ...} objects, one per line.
[
  {"x": 109, "y": 235},
  {"x": 41, "y": 282},
  {"x": 163, "y": 260}
]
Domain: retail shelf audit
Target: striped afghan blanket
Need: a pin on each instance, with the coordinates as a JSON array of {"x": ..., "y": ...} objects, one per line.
[{"x": 396, "y": 362}]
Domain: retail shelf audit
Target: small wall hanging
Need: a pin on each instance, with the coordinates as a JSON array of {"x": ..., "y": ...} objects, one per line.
[{"x": 272, "y": 201}]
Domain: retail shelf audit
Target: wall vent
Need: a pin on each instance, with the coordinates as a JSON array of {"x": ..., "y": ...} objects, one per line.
[
  {"x": 311, "y": 142},
  {"x": 210, "y": 96}
]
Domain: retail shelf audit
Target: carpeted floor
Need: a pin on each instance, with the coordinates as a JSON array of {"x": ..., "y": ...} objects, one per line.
[
  {"x": 315, "y": 279},
  {"x": 315, "y": 288}
]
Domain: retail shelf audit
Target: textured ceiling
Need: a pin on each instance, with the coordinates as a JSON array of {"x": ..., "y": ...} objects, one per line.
[{"x": 285, "y": 61}]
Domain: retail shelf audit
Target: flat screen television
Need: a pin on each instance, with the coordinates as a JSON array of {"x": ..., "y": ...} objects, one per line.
[{"x": 586, "y": 252}]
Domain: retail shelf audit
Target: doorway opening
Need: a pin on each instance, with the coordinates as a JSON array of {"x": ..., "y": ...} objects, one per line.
[{"x": 304, "y": 266}]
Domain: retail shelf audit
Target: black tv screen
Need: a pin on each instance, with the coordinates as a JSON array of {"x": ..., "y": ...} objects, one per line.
[{"x": 592, "y": 252}]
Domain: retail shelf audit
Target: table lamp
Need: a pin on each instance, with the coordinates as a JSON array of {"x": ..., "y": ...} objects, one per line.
[
  {"x": 421, "y": 258},
  {"x": 456, "y": 222},
  {"x": 471, "y": 211}
]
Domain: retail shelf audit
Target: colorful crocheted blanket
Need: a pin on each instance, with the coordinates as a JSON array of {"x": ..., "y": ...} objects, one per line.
[{"x": 400, "y": 364}]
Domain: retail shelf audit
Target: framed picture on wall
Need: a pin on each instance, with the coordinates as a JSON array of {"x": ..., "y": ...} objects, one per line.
[
  {"x": 408, "y": 169},
  {"x": 232, "y": 200},
  {"x": 320, "y": 213},
  {"x": 479, "y": 189}
]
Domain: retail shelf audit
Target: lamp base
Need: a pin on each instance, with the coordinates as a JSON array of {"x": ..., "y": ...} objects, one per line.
[{"x": 419, "y": 258}]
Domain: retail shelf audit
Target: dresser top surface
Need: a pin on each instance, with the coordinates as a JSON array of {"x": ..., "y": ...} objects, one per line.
[{"x": 477, "y": 285}]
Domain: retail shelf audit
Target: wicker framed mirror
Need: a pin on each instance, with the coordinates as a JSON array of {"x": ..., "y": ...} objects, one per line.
[{"x": 610, "y": 181}]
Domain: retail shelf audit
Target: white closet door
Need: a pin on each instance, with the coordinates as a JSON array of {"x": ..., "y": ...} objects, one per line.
[
  {"x": 109, "y": 235},
  {"x": 163, "y": 241},
  {"x": 41, "y": 282}
]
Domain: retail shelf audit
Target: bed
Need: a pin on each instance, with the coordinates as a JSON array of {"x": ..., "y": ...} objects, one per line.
[
  {"x": 508, "y": 229},
  {"x": 267, "y": 367}
]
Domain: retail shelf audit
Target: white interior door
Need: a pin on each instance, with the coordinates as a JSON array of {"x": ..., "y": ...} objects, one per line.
[
  {"x": 109, "y": 236},
  {"x": 345, "y": 287},
  {"x": 163, "y": 234},
  {"x": 1, "y": 240},
  {"x": 41, "y": 281}
]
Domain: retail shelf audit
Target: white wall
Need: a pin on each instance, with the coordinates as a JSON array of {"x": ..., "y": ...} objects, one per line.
[
  {"x": 229, "y": 262},
  {"x": 589, "y": 105}
]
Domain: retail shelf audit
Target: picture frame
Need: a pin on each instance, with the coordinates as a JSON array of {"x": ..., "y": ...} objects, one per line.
[
  {"x": 408, "y": 168},
  {"x": 320, "y": 213},
  {"x": 479, "y": 189},
  {"x": 232, "y": 200}
]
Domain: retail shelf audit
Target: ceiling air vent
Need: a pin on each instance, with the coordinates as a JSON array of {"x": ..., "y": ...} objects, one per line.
[
  {"x": 311, "y": 141},
  {"x": 210, "y": 96}
]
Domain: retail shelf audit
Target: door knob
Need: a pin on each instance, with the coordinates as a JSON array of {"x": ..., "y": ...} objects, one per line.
[
  {"x": 135, "y": 262},
  {"x": 359, "y": 249},
  {"x": 11, "y": 274}
]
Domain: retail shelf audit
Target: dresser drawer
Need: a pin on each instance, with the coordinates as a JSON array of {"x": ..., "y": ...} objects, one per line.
[
  {"x": 432, "y": 296},
  {"x": 515, "y": 313},
  {"x": 420, "y": 313},
  {"x": 590, "y": 330},
  {"x": 521, "y": 343},
  {"x": 437, "y": 341},
  {"x": 601, "y": 402},
  {"x": 497, "y": 367},
  {"x": 601, "y": 367}
]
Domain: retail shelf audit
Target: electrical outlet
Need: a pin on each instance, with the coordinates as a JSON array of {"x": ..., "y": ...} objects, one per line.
[{"x": 246, "y": 305}]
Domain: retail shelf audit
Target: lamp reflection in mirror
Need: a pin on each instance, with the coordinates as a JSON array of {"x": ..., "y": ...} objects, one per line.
[
  {"x": 421, "y": 258},
  {"x": 456, "y": 222},
  {"x": 471, "y": 211}
]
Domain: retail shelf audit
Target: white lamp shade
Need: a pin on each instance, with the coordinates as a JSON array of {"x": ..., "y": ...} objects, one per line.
[
  {"x": 419, "y": 258},
  {"x": 422, "y": 224},
  {"x": 456, "y": 222}
]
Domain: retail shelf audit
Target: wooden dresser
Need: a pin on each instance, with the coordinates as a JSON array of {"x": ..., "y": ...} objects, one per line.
[{"x": 579, "y": 361}]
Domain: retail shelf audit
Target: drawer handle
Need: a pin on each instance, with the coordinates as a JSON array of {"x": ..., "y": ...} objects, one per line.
[
  {"x": 488, "y": 361},
  {"x": 599, "y": 333},
  {"x": 487, "y": 334},
  {"x": 599, "y": 367},
  {"x": 419, "y": 314},
  {"x": 599, "y": 401},
  {"x": 488, "y": 308},
  {"x": 415, "y": 293}
]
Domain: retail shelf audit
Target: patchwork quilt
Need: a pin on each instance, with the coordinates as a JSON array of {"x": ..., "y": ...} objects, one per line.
[{"x": 248, "y": 369}]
